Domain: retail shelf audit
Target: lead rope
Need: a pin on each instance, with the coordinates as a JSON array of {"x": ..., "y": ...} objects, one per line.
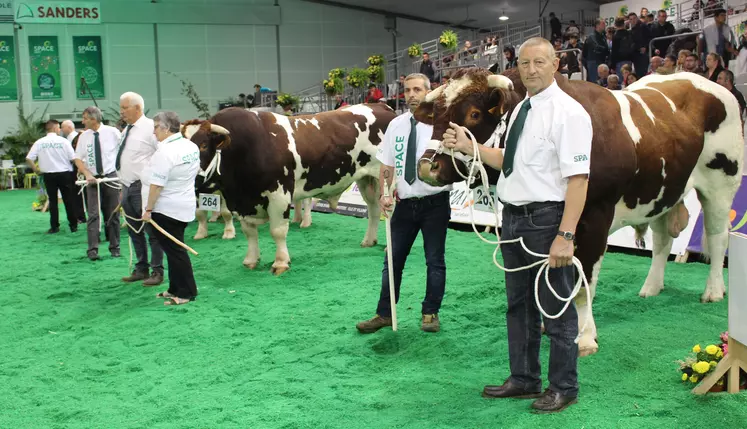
[{"x": 475, "y": 165}]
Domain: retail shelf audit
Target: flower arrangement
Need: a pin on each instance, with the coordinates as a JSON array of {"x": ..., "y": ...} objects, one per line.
[
  {"x": 448, "y": 39},
  {"x": 376, "y": 74},
  {"x": 337, "y": 73},
  {"x": 702, "y": 362},
  {"x": 376, "y": 60},
  {"x": 333, "y": 86},
  {"x": 358, "y": 78},
  {"x": 415, "y": 50},
  {"x": 286, "y": 100}
]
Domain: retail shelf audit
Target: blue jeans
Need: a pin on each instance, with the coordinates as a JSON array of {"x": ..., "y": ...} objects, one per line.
[
  {"x": 591, "y": 71},
  {"x": 431, "y": 216},
  {"x": 539, "y": 227}
]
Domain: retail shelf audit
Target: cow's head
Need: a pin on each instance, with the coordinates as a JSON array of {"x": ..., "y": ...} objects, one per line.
[
  {"x": 211, "y": 139},
  {"x": 474, "y": 98}
]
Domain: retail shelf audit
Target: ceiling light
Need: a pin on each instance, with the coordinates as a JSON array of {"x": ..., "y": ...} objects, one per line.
[{"x": 503, "y": 17}]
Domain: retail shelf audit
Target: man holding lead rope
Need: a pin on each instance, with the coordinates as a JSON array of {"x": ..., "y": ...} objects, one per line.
[
  {"x": 543, "y": 187},
  {"x": 95, "y": 157}
]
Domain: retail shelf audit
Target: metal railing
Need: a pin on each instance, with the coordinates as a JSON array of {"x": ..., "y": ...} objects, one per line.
[
  {"x": 673, "y": 36},
  {"x": 578, "y": 58}
]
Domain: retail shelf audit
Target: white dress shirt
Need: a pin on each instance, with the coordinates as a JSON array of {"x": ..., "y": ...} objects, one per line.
[
  {"x": 174, "y": 166},
  {"x": 55, "y": 154},
  {"x": 109, "y": 138},
  {"x": 393, "y": 153},
  {"x": 555, "y": 144},
  {"x": 141, "y": 144},
  {"x": 70, "y": 137}
]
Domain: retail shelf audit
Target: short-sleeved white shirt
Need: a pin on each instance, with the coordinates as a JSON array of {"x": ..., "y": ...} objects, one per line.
[
  {"x": 392, "y": 152},
  {"x": 55, "y": 154},
  {"x": 109, "y": 137},
  {"x": 174, "y": 166},
  {"x": 555, "y": 144}
]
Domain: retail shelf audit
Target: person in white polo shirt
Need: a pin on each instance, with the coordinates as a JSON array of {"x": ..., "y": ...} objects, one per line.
[
  {"x": 420, "y": 207},
  {"x": 137, "y": 147},
  {"x": 55, "y": 156},
  {"x": 95, "y": 156},
  {"x": 68, "y": 131},
  {"x": 170, "y": 202},
  {"x": 543, "y": 183}
]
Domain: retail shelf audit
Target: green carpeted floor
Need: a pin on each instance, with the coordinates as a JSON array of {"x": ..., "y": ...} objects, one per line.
[{"x": 80, "y": 349}]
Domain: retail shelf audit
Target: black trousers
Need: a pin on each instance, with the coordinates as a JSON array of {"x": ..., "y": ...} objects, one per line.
[
  {"x": 80, "y": 209},
  {"x": 62, "y": 182},
  {"x": 181, "y": 278},
  {"x": 431, "y": 216}
]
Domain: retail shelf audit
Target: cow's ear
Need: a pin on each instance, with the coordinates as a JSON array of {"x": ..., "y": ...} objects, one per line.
[
  {"x": 497, "y": 102},
  {"x": 424, "y": 112},
  {"x": 223, "y": 141}
]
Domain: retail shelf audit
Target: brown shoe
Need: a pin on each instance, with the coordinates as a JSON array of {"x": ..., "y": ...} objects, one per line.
[
  {"x": 508, "y": 390},
  {"x": 155, "y": 279},
  {"x": 552, "y": 402},
  {"x": 430, "y": 323},
  {"x": 135, "y": 277},
  {"x": 372, "y": 325}
]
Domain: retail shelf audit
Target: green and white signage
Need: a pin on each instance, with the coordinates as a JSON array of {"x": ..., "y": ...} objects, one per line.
[
  {"x": 46, "y": 83},
  {"x": 57, "y": 12},
  {"x": 8, "y": 82},
  {"x": 88, "y": 66}
]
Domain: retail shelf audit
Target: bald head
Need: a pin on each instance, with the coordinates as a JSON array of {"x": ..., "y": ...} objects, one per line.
[{"x": 67, "y": 128}]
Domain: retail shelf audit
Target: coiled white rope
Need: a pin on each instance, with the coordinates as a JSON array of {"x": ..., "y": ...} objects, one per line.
[
  {"x": 475, "y": 165},
  {"x": 107, "y": 181}
]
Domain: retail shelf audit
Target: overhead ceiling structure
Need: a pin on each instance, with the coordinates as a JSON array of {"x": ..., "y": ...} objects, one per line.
[{"x": 468, "y": 13}]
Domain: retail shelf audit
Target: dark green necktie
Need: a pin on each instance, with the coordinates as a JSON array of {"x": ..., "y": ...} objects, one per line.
[
  {"x": 513, "y": 138},
  {"x": 412, "y": 145},
  {"x": 121, "y": 148},
  {"x": 97, "y": 153}
]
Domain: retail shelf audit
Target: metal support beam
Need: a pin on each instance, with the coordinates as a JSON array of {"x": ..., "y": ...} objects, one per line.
[
  {"x": 542, "y": 8},
  {"x": 158, "y": 66},
  {"x": 389, "y": 13},
  {"x": 277, "y": 45}
]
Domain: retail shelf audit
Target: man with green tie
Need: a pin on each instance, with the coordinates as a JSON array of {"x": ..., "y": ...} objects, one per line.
[
  {"x": 95, "y": 158},
  {"x": 543, "y": 182},
  {"x": 420, "y": 207}
]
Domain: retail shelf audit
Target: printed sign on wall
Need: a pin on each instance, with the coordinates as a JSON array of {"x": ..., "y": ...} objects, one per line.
[
  {"x": 8, "y": 82},
  {"x": 55, "y": 12},
  {"x": 88, "y": 66},
  {"x": 45, "y": 68}
]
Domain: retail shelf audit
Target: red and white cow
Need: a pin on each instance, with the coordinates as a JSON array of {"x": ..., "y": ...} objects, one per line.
[
  {"x": 267, "y": 161},
  {"x": 653, "y": 143}
]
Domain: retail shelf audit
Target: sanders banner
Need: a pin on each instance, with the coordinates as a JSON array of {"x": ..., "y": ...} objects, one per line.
[
  {"x": 8, "y": 82},
  {"x": 45, "y": 68},
  {"x": 57, "y": 12},
  {"x": 88, "y": 66}
]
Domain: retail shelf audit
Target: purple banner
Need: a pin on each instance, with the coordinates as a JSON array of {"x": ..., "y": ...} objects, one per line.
[{"x": 737, "y": 219}]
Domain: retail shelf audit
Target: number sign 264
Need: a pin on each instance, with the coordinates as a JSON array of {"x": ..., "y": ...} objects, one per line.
[{"x": 209, "y": 202}]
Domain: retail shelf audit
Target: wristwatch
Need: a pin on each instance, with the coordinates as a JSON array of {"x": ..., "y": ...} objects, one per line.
[{"x": 567, "y": 235}]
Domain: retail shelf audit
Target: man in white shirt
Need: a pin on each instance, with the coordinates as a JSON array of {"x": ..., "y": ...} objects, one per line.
[
  {"x": 55, "y": 156},
  {"x": 95, "y": 157},
  {"x": 68, "y": 131},
  {"x": 420, "y": 207},
  {"x": 543, "y": 187},
  {"x": 137, "y": 147}
]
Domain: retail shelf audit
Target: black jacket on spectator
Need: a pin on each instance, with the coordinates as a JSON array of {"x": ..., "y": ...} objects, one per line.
[
  {"x": 428, "y": 70},
  {"x": 658, "y": 31},
  {"x": 571, "y": 58},
  {"x": 642, "y": 36},
  {"x": 595, "y": 49},
  {"x": 556, "y": 29},
  {"x": 623, "y": 47}
]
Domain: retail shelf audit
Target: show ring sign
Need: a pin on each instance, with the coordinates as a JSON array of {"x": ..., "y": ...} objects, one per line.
[
  {"x": 88, "y": 66},
  {"x": 45, "y": 68},
  {"x": 52, "y": 12}
]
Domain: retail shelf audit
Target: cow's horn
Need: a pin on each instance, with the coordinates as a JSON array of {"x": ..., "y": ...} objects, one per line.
[
  {"x": 500, "y": 81},
  {"x": 217, "y": 129},
  {"x": 433, "y": 95}
]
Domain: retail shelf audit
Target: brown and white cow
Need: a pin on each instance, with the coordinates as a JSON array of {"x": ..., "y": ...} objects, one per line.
[
  {"x": 653, "y": 142},
  {"x": 229, "y": 231},
  {"x": 267, "y": 161}
]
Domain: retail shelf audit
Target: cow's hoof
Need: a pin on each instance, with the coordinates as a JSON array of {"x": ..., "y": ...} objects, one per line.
[
  {"x": 305, "y": 224},
  {"x": 229, "y": 235},
  {"x": 366, "y": 243},
  {"x": 649, "y": 290},
  {"x": 587, "y": 347},
  {"x": 250, "y": 265},
  {"x": 200, "y": 235},
  {"x": 279, "y": 270},
  {"x": 712, "y": 295}
]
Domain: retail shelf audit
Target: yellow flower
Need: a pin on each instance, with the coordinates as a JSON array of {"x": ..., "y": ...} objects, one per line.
[
  {"x": 684, "y": 377},
  {"x": 712, "y": 350},
  {"x": 696, "y": 349},
  {"x": 701, "y": 367},
  {"x": 694, "y": 379},
  {"x": 720, "y": 353},
  {"x": 713, "y": 363}
]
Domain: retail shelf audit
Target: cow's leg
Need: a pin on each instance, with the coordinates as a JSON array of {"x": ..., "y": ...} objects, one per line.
[
  {"x": 229, "y": 231},
  {"x": 249, "y": 228},
  {"x": 662, "y": 247},
  {"x": 297, "y": 211},
  {"x": 306, "y": 204},
  {"x": 716, "y": 228},
  {"x": 369, "y": 189},
  {"x": 279, "y": 212},
  {"x": 202, "y": 226},
  {"x": 591, "y": 241},
  {"x": 214, "y": 216}
]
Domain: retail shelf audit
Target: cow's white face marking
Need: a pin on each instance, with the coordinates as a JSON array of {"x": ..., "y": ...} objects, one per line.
[
  {"x": 190, "y": 131},
  {"x": 433, "y": 95},
  {"x": 454, "y": 88}
]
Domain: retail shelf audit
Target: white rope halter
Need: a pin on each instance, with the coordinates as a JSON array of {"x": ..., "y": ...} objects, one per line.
[{"x": 212, "y": 168}]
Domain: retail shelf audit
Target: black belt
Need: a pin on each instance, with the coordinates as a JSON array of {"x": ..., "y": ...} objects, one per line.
[
  {"x": 527, "y": 209},
  {"x": 428, "y": 197}
]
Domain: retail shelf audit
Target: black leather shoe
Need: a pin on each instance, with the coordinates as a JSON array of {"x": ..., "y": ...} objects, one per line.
[
  {"x": 115, "y": 253},
  {"x": 53, "y": 230},
  {"x": 509, "y": 390},
  {"x": 552, "y": 402}
]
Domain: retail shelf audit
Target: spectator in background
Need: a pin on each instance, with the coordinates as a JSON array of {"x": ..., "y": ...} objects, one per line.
[
  {"x": 656, "y": 62},
  {"x": 626, "y": 71},
  {"x": 659, "y": 29},
  {"x": 726, "y": 79},
  {"x": 610, "y": 34},
  {"x": 340, "y": 102},
  {"x": 691, "y": 64},
  {"x": 510, "y": 54},
  {"x": 623, "y": 47},
  {"x": 632, "y": 78},
  {"x": 555, "y": 27},
  {"x": 670, "y": 63},
  {"x": 572, "y": 57},
  {"x": 741, "y": 56},
  {"x": 603, "y": 71},
  {"x": 374, "y": 94},
  {"x": 713, "y": 67},
  {"x": 427, "y": 68},
  {"x": 719, "y": 38},
  {"x": 613, "y": 82},
  {"x": 572, "y": 29},
  {"x": 595, "y": 51},
  {"x": 681, "y": 57},
  {"x": 641, "y": 37}
]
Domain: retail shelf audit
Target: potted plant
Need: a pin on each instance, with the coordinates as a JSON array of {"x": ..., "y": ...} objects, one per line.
[
  {"x": 702, "y": 361},
  {"x": 287, "y": 102},
  {"x": 448, "y": 40},
  {"x": 333, "y": 86},
  {"x": 358, "y": 78},
  {"x": 415, "y": 51}
]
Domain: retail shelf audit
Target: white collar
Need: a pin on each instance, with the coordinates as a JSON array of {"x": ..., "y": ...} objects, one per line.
[
  {"x": 545, "y": 95},
  {"x": 172, "y": 138}
]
